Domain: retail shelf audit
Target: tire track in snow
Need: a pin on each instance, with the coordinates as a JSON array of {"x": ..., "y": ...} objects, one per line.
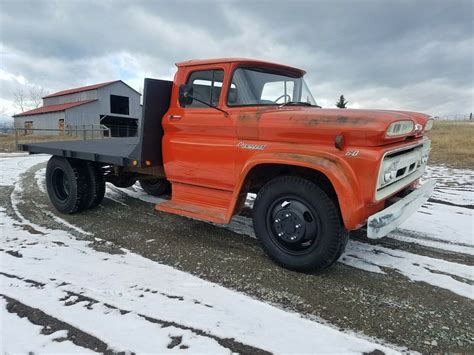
[
  {"x": 101, "y": 313},
  {"x": 51, "y": 325}
]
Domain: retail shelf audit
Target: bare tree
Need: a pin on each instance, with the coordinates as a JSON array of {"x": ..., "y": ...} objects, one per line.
[
  {"x": 19, "y": 100},
  {"x": 36, "y": 96}
]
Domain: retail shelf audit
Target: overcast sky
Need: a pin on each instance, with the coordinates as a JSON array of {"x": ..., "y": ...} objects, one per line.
[{"x": 409, "y": 55}]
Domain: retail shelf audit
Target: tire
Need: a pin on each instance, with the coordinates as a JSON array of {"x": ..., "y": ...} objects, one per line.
[
  {"x": 97, "y": 176},
  {"x": 298, "y": 224},
  {"x": 123, "y": 181},
  {"x": 156, "y": 187},
  {"x": 66, "y": 185},
  {"x": 95, "y": 183}
]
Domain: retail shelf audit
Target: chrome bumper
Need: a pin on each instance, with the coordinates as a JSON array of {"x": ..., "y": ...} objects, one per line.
[{"x": 385, "y": 221}]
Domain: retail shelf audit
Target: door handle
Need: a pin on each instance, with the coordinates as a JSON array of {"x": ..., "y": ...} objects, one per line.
[{"x": 174, "y": 117}]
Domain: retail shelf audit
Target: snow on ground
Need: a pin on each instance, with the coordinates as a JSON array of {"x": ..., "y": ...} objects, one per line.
[
  {"x": 20, "y": 336},
  {"x": 450, "y": 224},
  {"x": 448, "y": 217},
  {"x": 452, "y": 185},
  {"x": 139, "y": 304},
  {"x": 128, "y": 292},
  {"x": 455, "y": 277},
  {"x": 65, "y": 271},
  {"x": 12, "y": 165},
  {"x": 40, "y": 176}
]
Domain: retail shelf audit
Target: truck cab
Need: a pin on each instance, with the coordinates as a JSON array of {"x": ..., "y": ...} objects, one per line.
[{"x": 225, "y": 128}]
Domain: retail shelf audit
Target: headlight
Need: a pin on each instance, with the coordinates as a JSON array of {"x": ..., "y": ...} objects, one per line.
[
  {"x": 429, "y": 125},
  {"x": 400, "y": 128},
  {"x": 389, "y": 174}
]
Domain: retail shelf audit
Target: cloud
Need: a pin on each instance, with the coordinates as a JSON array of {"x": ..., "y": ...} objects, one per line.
[{"x": 385, "y": 54}]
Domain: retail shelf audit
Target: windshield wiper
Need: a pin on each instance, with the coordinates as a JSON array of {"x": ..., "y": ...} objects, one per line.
[{"x": 301, "y": 103}]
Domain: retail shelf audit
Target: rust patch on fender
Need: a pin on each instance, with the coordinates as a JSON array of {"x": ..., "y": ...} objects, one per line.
[{"x": 326, "y": 162}]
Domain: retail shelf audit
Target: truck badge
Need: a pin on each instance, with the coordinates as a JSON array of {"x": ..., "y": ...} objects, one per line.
[
  {"x": 352, "y": 153},
  {"x": 251, "y": 146}
]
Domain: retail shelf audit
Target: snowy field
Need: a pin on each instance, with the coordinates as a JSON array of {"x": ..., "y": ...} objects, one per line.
[{"x": 125, "y": 302}]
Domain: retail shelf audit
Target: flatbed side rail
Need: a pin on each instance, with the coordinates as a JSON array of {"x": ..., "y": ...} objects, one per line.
[{"x": 67, "y": 153}]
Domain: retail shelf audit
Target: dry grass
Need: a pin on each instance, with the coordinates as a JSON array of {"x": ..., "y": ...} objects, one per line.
[
  {"x": 7, "y": 142},
  {"x": 453, "y": 144}
]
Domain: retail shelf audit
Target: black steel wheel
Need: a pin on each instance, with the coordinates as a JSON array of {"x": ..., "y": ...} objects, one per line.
[
  {"x": 293, "y": 225},
  {"x": 65, "y": 184},
  {"x": 298, "y": 225},
  {"x": 156, "y": 187}
]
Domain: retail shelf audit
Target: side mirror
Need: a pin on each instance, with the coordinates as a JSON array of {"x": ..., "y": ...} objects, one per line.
[{"x": 185, "y": 95}]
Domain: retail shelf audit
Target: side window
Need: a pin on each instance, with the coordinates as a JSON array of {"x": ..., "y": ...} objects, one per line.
[{"x": 207, "y": 86}]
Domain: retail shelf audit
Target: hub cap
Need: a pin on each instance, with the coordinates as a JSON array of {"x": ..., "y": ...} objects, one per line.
[{"x": 292, "y": 225}]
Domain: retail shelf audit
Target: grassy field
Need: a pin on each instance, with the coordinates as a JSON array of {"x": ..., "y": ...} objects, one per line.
[{"x": 452, "y": 144}]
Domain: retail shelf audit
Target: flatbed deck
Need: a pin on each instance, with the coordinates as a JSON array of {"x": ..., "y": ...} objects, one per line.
[{"x": 119, "y": 151}]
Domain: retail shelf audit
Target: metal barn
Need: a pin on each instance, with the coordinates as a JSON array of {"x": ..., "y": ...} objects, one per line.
[{"x": 113, "y": 104}]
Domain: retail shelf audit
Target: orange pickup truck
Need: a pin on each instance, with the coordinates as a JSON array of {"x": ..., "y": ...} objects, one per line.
[{"x": 225, "y": 128}]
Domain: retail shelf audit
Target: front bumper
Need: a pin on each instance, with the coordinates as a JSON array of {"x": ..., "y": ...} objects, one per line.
[{"x": 385, "y": 221}]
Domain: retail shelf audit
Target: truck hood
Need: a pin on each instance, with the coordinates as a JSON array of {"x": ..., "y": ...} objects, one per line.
[{"x": 312, "y": 124}]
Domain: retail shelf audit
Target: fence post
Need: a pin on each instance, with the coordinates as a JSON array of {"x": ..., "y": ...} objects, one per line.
[
  {"x": 470, "y": 117},
  {"x": 16, "y": 138}
]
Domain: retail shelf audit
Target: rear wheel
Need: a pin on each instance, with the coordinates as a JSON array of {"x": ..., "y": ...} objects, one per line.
[
  {"x": 123, "y": 181},
  {"x": 95, "y": 182},
  {"x": 156, "y": 187},
  {"x": 65, "y": 184},
  {"x": 298, "y": 225}
]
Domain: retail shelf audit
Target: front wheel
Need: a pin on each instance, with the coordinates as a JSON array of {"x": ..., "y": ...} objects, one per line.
[{"x": 298, "y": 224}]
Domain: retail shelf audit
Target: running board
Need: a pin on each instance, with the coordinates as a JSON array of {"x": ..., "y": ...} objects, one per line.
[
  {"x": 198, "y": 202},
  {"x": 210, "y": 214}
]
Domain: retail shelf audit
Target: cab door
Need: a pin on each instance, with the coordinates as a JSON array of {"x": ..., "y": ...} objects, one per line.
[{"x": 199, "y": 141}]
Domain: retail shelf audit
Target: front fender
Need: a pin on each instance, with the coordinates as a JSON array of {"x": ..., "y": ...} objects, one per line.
[{"x": 334, "y": 168}]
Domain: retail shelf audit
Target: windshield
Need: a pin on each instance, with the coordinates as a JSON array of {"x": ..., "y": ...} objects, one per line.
[{"x": 258, "y": 86}]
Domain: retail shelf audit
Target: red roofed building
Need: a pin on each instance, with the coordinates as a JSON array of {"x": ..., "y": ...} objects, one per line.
[{"x": 113, "y": 104}]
